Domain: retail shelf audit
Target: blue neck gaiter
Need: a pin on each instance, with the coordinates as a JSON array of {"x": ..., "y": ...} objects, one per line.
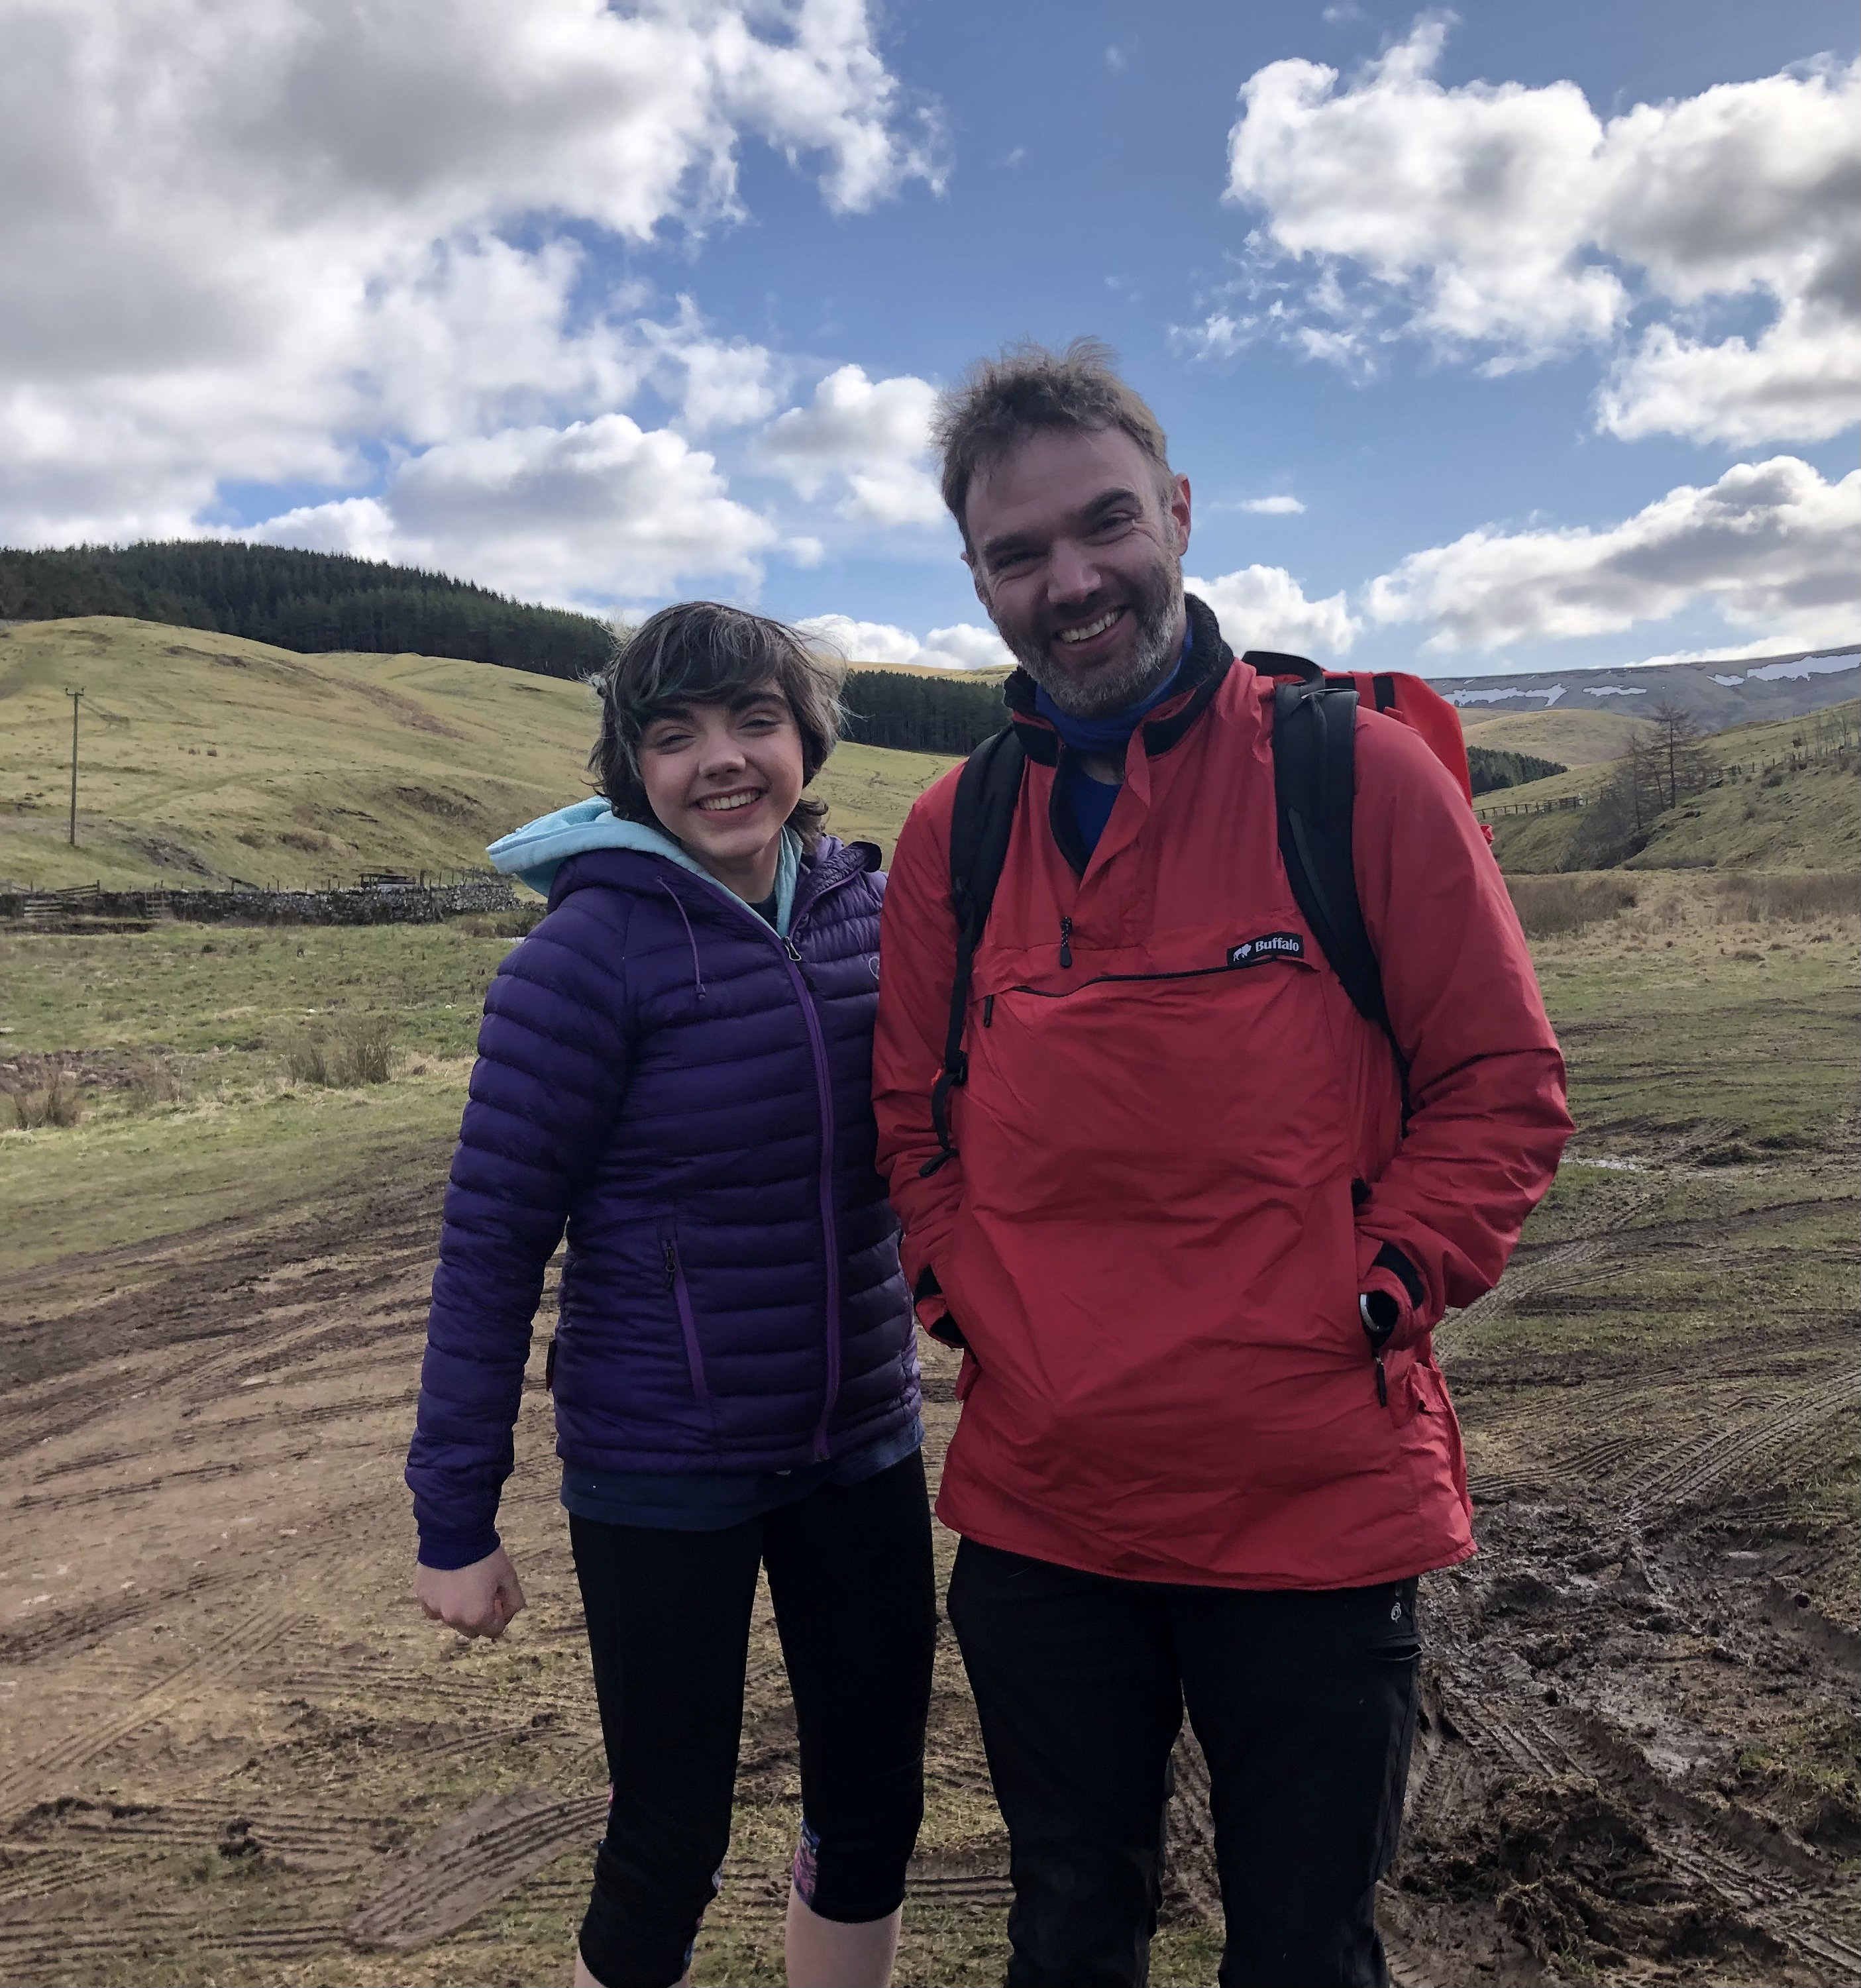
[{"x": 1106, "y": 737}]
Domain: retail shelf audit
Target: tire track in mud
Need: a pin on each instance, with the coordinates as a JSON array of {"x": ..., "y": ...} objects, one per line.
[
  {"x": 1772, "y": 1884},
  {"x": 1762, "y": 1876},
  {"x": 30, "y": 1950},
  {"x": 1736, "y": 1456},
  {"x": 1594, "y": 1239},
  {"x": 222, "y": 1659},
  {"x": 468, "y": 1863}
]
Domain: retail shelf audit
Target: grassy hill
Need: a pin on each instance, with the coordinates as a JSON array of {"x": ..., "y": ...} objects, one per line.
[
  {"x": 204, "y": 756},
  {"x": 1806, "y": 816},
  {"x": 1572, "y": 738}
]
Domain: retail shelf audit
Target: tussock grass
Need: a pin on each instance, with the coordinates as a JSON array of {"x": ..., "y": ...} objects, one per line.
[
  {"x": 1558, "y": 907},
  {"x": 345, "y": 1052},
  {"x": 59, "y": 1102},
  {"x": 1803, "y": 897}
]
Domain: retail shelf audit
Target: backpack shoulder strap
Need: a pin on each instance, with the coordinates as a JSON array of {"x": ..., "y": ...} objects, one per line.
[
  {"x": 1314, "y": 759},
  {"x": 987, "y": 790}
]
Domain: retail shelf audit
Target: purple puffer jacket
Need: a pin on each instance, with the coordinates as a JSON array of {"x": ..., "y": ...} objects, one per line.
[{"x": 691, "y": 1095}]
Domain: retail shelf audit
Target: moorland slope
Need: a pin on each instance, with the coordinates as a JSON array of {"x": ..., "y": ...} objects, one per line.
[
  {"x": 203, "y": 757},
  {"x": 1792, "y": 803}
]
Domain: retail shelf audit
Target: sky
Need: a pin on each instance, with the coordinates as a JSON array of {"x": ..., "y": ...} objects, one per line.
[{"x": 1518, "y": 338}]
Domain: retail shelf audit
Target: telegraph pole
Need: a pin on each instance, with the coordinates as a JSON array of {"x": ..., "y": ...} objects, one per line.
[{"x": 75, "y": 696}]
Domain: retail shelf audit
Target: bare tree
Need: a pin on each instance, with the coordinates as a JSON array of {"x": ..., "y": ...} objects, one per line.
[{"x": 1681, "y": 766}]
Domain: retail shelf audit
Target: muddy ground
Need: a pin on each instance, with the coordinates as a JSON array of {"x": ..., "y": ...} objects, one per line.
[{"x": 233, "y": 1751}]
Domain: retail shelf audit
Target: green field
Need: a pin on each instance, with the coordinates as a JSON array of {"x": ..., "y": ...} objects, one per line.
[{"x": 203, "y": 757}]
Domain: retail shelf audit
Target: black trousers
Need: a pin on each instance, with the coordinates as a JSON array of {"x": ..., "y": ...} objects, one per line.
[
  {"x": 1304, "y": 1704},
  {"x": 668, "y": 1628}
]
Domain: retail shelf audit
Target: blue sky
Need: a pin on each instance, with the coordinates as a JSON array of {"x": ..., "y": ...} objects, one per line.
[{"x": 1539, "y": 325}]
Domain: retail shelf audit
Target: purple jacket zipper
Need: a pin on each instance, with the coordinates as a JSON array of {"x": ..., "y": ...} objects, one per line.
[
  {"x": 687, "y": 1324},
  {"x": 824, "y": 1092}
]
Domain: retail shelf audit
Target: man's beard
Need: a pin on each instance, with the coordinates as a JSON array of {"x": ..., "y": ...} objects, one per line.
[{"x": 1156, "y": 607}]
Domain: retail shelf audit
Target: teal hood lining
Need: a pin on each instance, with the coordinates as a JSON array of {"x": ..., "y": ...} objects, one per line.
[{"x": 534, "y": 853}]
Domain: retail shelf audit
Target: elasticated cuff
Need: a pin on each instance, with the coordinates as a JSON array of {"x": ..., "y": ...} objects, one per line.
[{"x": 445, "y": 1552}]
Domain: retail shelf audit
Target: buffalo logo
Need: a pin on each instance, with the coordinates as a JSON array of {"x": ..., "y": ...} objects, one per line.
[{"x": 1270, "y": 945}]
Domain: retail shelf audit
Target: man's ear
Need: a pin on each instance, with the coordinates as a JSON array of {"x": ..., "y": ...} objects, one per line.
[
  {"x": 975, "y": 580},
  {"x": 1178, "y": 512}
]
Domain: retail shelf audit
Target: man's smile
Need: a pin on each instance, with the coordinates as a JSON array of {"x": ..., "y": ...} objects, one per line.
[{"x": 1090, "y": 631}]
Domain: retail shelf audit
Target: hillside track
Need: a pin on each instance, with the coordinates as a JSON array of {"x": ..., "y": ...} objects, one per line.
[{"x": 231, "y": 1746}]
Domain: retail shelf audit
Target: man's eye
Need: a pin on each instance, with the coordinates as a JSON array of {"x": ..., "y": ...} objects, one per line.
[
  {"x": 1004, "y": 562},
  {"x": 1119, "y": 521}
]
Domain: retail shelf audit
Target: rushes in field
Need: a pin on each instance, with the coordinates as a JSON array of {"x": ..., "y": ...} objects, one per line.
[
  {"x": 1799, "y": 898},
  {"x": 349, "y": 1051},
  {"x": 59, "y": 1102},
  {"x": 1555, "y": 907}
]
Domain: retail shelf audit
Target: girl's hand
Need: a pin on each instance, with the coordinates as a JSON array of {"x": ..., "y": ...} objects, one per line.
[{"x": 479, "y": 1600}]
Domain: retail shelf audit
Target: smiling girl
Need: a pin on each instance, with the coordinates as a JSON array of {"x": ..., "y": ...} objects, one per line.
[{"x": 675, "y": 1067}]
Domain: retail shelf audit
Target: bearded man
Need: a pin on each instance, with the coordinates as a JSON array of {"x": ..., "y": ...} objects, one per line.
[{"x": 1189, "y": 1226}]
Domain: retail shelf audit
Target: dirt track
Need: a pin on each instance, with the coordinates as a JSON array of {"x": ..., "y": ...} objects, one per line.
[{"x": 234, "y": 1752}]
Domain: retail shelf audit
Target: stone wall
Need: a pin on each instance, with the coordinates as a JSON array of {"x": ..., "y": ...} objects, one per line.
[{"x": 400, "y": 904}]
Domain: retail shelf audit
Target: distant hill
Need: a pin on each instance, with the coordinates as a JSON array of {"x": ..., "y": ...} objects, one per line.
[
  {"x": 203, "y": 757},
  {"x": 1779, "y": 815},
  {"x": 1574, "y": 738},
  {"x": 1716, "y": 694},
  {"x": 314, "y": 603}
]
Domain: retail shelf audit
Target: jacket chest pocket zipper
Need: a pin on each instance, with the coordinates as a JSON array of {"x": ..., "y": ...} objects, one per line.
[{"x": 681, "y": 1295}]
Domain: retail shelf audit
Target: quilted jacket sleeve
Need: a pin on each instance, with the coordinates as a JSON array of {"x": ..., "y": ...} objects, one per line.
[
  {"x": 917, "y": 965},
  {"x": 546, "y": 1088},
  {"x": 1486, "y": 1078}
]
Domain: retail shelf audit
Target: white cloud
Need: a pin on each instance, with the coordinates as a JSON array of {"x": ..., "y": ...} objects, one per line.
[
  {"x": 599, "y": 512},
  {"x": 255, "y": 246},
  {"x": 1274, "y": 507},
  {"x": 1770, "y": 545},
  {"x": 964, "y": 646},
  {"x": 1265, "y": 608},
  {"x": 961, "y": 647},
  {"x": 1512, "y": 223},
  {"x": 1802, "y": 377},
  {"x": 871, "y": 436}
]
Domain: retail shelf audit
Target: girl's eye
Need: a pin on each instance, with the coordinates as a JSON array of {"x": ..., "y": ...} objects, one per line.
[{"x": 669, "y": 741}]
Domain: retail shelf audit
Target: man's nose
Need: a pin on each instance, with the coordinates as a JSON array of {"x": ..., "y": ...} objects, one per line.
[{"x": 1072, "y": 573}]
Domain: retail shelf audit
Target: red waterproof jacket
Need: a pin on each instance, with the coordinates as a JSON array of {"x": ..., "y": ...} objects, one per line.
[{"x": 1175, "y": 1171}]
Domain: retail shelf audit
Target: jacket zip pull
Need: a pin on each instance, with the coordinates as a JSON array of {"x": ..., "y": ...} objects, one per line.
[
  {"x": 1066, "y": 941},
  {"x": 794, "y": 953},
  {"x": 671, "y": 1265},
  {"x": 988, "y": 1011},
  {"x": 1382, "y": 1383}
]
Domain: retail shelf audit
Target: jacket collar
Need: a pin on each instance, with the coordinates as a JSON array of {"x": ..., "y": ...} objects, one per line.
[{"x": 1209, "y": 660}]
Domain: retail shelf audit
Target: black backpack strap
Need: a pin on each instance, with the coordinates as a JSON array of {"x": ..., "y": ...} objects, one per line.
[
  {"x": 1314, "y": 763},
  {"x": 987, "y": 789}
]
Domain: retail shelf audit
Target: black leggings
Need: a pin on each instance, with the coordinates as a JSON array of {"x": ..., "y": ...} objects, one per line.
[{"x": 668, "y": 1628}]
